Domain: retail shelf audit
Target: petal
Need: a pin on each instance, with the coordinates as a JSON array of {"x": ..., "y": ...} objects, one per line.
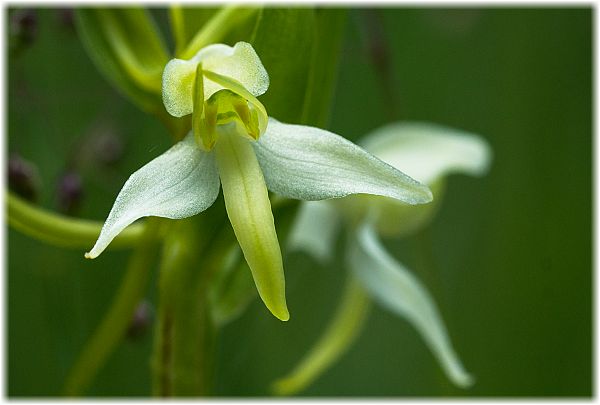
[
  {"x": 314, "y": 230},
  {"x": 427, "y": 151},
  {"x": 180, "y": 183},
  {"x": 239, "y": 62},
  {"x": 238, "y": 66},
  {"x": 401, "y": 292},
  {"x": 339, "y": 335},
  {"x": 177, "y": 87},
  {"x": 249, "y": 210},
  {"x": 313, "y": 164}
]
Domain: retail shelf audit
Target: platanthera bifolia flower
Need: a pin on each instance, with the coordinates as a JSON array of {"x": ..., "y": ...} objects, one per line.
[
  {"x": 427, "y": 153},
  {"x": 235, "y": 144}
]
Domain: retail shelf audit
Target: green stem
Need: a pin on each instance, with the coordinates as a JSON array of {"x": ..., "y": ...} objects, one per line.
[
  {"x": 217, "y": 27},
  {"x": 63, "y": 231},
  {"x": 185, "y": 333},
  {"x": 108, "y": 334}
]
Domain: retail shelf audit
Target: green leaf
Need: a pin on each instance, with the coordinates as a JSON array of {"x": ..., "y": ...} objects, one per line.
[
  {"x": 232, "y": 288},
  {"x": 127, "y": 48},
  {"x": 194, "y": 28},
  {"x": 330, "y": 23},
  {"x": 284, "y": 40},
  {"x": 186, "y": 22}
]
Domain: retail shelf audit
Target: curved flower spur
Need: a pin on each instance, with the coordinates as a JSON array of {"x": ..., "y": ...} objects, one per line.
[{"x": 234, "y": 143}]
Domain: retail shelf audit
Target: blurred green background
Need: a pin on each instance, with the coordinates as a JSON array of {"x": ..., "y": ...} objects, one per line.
[{"x": 508, "y": 258}]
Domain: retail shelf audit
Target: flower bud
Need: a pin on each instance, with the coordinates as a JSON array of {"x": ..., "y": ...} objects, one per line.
[
  {"x": 141, "y": 320},
  {"x": 70, "y": 193},
  {"x": 376, "y": 43},
  {"x": 23, "y": 178},
  {"x": 66, "y": 18},
  {"x": 23, "y": 28},
  {"x": 107, "y": 147}
]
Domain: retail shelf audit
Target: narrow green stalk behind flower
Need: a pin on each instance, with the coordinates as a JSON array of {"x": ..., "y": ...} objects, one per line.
[
  {"x": 111, "y": 330},
  {"x": 339, "y": 335}
]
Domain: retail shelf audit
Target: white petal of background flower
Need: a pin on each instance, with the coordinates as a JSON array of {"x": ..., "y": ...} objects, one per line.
[
  {"x": 427, "y": 151},
  {"x": 399, "y": 290},
  {"x": 309, "y": 163},
  {"x": 180, "y": 183},
  {"x": 314, "y": 230}
]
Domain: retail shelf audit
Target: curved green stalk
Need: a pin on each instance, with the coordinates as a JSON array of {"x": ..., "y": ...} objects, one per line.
[
  {"x": 63, "y": 231},
  {"x": 108, "y": 334},
  {"x": 341, "y": 332},
  {"x": 148, "y": 78},
  {"x": 217, "y": 27}
]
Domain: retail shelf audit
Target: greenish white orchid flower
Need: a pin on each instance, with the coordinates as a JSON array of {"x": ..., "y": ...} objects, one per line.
[
  {"x": 427, "y": 153},
  {"x": 235, "y": 144}
]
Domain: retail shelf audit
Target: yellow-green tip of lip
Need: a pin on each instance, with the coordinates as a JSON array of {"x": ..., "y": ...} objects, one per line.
[
  {"x": 284, "y": 316},
  {"x": 274, "y": 300},
  {"x": 284, "y": 387},
  {"x": 280, "y": 313}
]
